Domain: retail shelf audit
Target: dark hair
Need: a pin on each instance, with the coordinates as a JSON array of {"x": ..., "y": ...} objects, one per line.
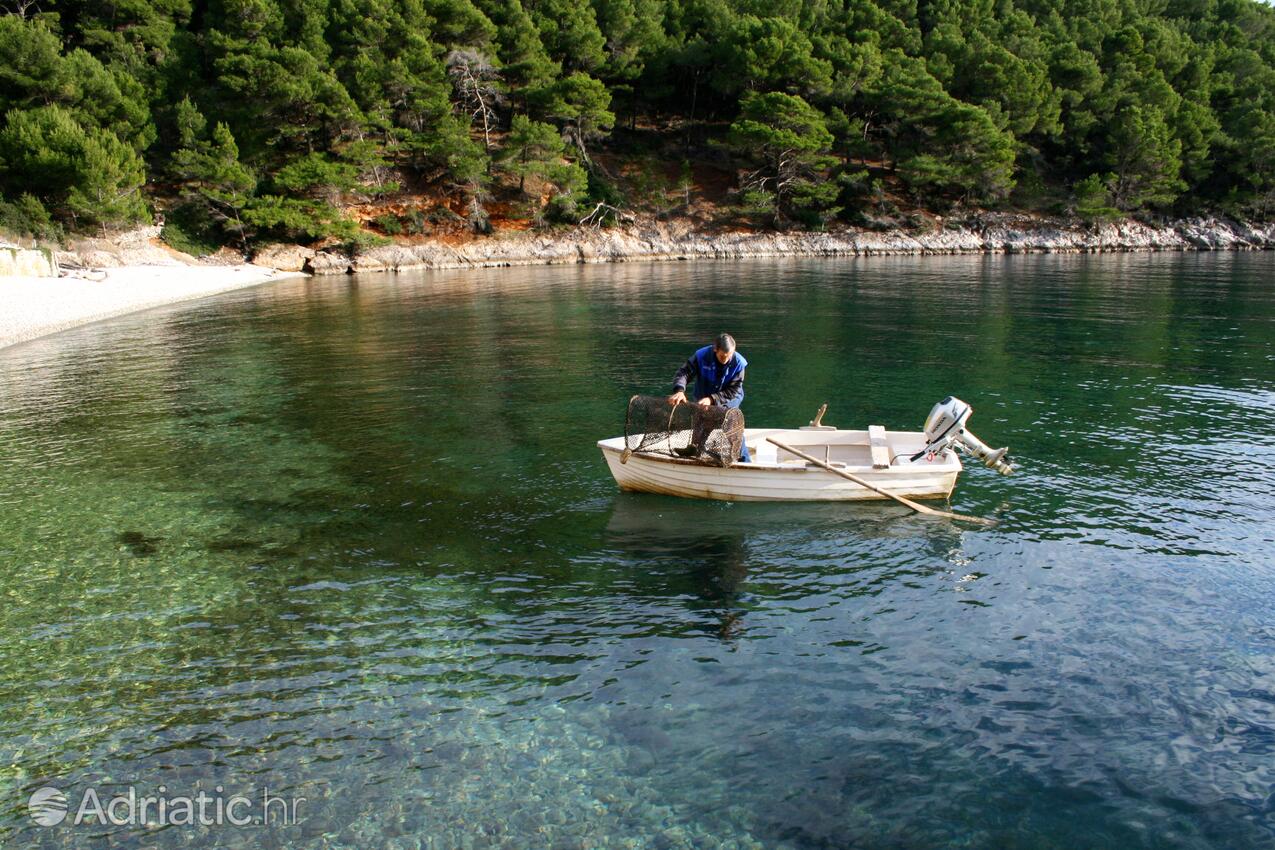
[{"x": 725, "y": 342}]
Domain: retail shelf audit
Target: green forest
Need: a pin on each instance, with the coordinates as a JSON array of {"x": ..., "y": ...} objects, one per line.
[{"x": 249, "y": 120}]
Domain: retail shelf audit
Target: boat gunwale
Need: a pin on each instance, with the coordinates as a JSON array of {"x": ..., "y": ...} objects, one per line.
[{"x": 951, "y": 464}]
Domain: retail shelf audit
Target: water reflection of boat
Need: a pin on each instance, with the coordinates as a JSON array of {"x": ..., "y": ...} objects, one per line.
[
  {"x": 700, "y": 554},
  {"x": 722, "y": 561},
  {"x": 653, "y": 527}
]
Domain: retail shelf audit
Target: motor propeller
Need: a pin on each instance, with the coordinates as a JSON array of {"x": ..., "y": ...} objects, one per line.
[{"x": 945, "y": 428}]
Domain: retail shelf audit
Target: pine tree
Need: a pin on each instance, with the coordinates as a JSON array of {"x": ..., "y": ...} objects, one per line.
[
  {"x": 536, "y": 150},
  {"x": 753, "y": 53},
  {"x": 786, "y": 141},
  {"x": 525, "y": 64},
  {"x": 30, "y": 63},
  {"x": 213, "y": 177},
  {"x": 86, "y": 176},
  {"x": 35, "y": 72},
  {"x": 582, "y": 105},
  {"x": 275, "y": 95},
  {"x": 1093, "y": 198},
  {"x": 569, "y": 30},
  {"x": 108, "y": 191},
  {"x": 460, "y": 24},
  {"x": 1145, "y": 159},
  {"x": 132, "y": 35}
]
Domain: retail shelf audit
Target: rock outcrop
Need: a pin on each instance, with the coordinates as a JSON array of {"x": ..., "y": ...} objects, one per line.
[
  {"x": 140, "y": 247},
  {"x": 284, "y": 258},
  {"x": 327, "y": 262},
  {"x": 16, "y": 261},
  {"x": 26, "y": 263}
]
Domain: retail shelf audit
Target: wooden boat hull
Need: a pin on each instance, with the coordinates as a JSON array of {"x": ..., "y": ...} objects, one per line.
[{"x": 774, "y": 478}]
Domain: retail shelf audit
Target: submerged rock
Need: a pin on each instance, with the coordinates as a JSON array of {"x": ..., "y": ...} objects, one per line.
[{"x": 138, "y": 543}]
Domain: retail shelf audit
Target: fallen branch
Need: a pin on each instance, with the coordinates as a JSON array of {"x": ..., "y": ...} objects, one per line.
[{"x": 600, "y": 212}]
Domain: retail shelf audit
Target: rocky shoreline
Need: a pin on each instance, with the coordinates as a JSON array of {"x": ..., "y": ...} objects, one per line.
[
  {"x": 989, "y": 234},
  {"x": 985, "y": 233}
]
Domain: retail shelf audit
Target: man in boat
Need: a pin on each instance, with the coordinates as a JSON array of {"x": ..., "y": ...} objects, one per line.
[{"x": 718, "y": 370}]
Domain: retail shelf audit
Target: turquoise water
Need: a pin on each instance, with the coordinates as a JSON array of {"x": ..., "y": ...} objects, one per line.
[{"x": 351, "y": 540}]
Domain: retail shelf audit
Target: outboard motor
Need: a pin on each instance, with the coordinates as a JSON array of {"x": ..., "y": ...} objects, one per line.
[{"x": 945, "y": 428}]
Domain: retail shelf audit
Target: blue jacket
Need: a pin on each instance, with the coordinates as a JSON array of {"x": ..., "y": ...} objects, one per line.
[{"x": 723, "y": 383}]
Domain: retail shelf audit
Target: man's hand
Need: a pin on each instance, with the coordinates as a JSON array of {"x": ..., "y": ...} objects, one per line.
[
  {"x": 705, "y": 402},
  {"x": 677, "y": 398}
]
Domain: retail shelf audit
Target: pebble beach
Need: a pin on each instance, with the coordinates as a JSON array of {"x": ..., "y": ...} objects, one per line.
[{"x": 32, "y": 307}]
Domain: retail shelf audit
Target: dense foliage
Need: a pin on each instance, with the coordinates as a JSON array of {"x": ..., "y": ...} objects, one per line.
[{"x": 262, "y": 118}]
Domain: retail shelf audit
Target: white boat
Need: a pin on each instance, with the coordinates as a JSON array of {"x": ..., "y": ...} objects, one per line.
[{"x": 880, "y": 457}]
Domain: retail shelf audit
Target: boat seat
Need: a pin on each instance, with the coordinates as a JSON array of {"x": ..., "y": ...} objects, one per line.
[
  {"x": 880, "y": 446},
  {"x": 762, "y": 451}
]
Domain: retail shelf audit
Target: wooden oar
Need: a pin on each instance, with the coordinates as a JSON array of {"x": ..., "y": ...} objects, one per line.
[{"x": 916, "y": 506}]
